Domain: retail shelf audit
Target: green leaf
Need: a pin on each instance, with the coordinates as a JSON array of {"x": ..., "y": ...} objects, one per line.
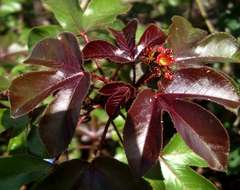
[
  {"x": 68, "y": 13},
  {"x": 15, "y": 126},
  {"x": 4, "y": 83},
  {"x": 177, "y": 148},
  {"x": 177, "y": 174},
  {"x": 17, "y": 145},
  {"x": 38, "y": 33},
  {"x": 34, "y": 143},
  {"x": 18, "y": 170},
  {"x": 98, "y": 13},
  {"x": 180, "y": 177},
  {"x": 102, "y": 12}
]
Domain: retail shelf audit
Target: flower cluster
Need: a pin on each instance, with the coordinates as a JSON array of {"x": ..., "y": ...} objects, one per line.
[{"x": 160, "y": 59}]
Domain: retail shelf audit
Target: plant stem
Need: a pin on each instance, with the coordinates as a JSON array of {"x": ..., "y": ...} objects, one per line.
[
  {"x": 117, "y": 131},
  {"x": 104, "y": 134},
  {"x": 134, "y": 74},
  {"x": 204, "y": 15}
]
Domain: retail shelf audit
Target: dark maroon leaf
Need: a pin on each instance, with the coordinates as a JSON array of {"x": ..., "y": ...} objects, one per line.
[
  {"x": 59, "y": 121},
  {"x": 203, "y": 83},
  {"x": 201, "y": 131},
  {"x": 126, "y": 51},
  {"x": 68, "y": 81},
  {"x": 151, "y": 37},
  {"x": 103, "y": 49},
  {"x": 103, "y": 173},
  {"x": 125, "y": 39},
  {"x": 119, "y": 95},
  {"x": 143, "y": 133}
]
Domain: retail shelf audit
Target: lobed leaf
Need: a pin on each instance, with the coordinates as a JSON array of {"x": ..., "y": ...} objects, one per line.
[
  {"x": 68, "y": 13},
  {"x": 152, "y": 36},
  {"x": 119, "y": 95},
  {"x": 101, "y": 173},
  {"x": 177, "y": 152},
  {"x": 201, "y": 131},
  {"x": 60, "y": 119},
  {"x": 68, "y": 81},
  {"x": 192, "y": 45},
  {"x": 102, "y": 49},
  {"x": 143, "y": 133},
  {"x": 125, "y": 39},
  {"x": 101, "y": 13},
  {"x": 183, "y": 177},
  {"x": 126, "y": 51},
  {"x": 203, "y": 83}
]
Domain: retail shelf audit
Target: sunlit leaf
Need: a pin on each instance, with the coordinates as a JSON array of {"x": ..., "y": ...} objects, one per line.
[
  {"x": 68, "y": 81},
  {"x": 143, "y": 133}
]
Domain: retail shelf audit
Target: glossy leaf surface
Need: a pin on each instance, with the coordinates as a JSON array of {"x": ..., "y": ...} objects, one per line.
[
  {"x": 118, "y": 95},
  {"x": 201, "y": 131},
  {"x": 183, "y": 177},
  {"x": 16, "y": 171},
  {"x": 102, "y": 173},
  {"x": 203, "y": 83},
  {"x": 192, "y": 45},
  {"x": 175, "y": 161},
  {"x": 143, "y": 133},
  {"x": 179, "y": 153},
  {"x": 126, "y": 50},
  {"x": 69, "y": 81}
]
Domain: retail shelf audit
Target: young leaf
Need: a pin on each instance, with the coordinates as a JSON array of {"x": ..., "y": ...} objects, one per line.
[
  {"x": 69, "y": 81},
  {"x": 202, "y": 83},
  {"x": 192, "y": 45},
  {"x": 68, "y": 13},
  {"x": 175, "y": 159},
  {"x": 126, "y": 50},
  {"x": 201, "y": 131},
  {"x": 103, "y": 173},
  {"x": 119, "y": 95},
  {"x": 143, "y": 133},
  {"x": 16, "y": 171},
  {"x": 101, "y": 13},
  {"x": 179, "y": 153},
  {"x": 183, "y": 177}
]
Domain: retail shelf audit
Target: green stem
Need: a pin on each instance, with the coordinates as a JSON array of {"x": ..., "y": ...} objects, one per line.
[{"x": 204, "y": 15}]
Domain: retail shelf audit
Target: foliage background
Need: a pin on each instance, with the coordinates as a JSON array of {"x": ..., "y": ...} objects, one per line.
[{"x": 17, "y": 17}]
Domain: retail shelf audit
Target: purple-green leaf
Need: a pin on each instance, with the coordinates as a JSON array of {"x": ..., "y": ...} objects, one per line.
[
  {"x": 201, "y": 131},
  {"x": 192, "y": 45},
  {"x": 202, "y": 83},
  {"x": 143, "y": 133}
]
